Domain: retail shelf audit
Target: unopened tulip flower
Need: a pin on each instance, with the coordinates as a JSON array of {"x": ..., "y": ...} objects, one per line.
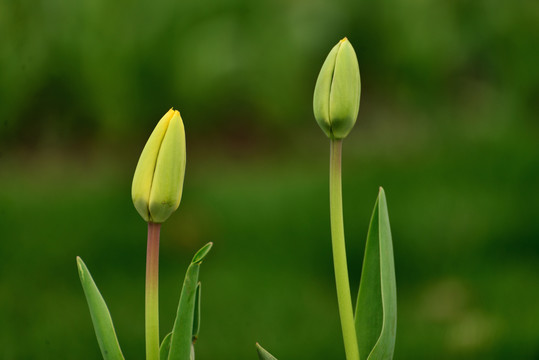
[
  {"x": 158, "y": 180},
  {"x": 156, "y": 192},
  {"x": 337, "y": 91},
  {"x": 336, "y": 105}
]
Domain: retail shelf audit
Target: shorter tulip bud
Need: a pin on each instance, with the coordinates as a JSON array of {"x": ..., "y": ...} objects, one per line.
[
  {"x": 337, "y": 91},
  {"x": 158, "y": 180}
]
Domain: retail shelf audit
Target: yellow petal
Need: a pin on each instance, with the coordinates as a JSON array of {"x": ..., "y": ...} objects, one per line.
[
  {"x": 167, "y": 183},
  {"x": 144, "y": 172}
]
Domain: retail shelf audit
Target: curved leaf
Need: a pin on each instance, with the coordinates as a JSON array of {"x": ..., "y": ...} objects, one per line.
[
  {"x": 201, "y": 254},
  {"x": 165, "y": 347},
  {"x": 104, "y": 328},
  {"x": 376, "y": 307},
  {"x": 182, "y": 332},
  {"x": 196, "y": 317}
]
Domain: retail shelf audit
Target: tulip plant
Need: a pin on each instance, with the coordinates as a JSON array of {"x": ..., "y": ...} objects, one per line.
[
  {"x": 156, "y": 192},
  {"x": 368, "y": 332}
]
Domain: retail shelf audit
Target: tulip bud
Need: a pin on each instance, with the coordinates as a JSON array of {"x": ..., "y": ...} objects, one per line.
[
  {"x": 337, "y": 91},
  {"x": 158, "y": 180}
]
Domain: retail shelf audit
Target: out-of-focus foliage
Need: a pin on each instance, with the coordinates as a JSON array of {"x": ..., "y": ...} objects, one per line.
[
  {"x": 102, "y": 68},
  {"x": 448, "y": 125}
]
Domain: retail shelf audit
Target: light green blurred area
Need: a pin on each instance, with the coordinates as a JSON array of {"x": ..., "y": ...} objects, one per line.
[{"x": 447, "y": 124}]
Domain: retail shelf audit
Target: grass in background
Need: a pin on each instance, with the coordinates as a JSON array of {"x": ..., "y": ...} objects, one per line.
[{"x": 464, "y": 237}]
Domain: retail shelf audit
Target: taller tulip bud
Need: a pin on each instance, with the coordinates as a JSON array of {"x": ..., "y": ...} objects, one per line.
[
  {"x": 158, "y": 180},
  {"x": 337, "y": 91}
]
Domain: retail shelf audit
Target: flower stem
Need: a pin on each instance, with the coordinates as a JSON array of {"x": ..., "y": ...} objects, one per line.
[
  {"x": 339, "y": 252},
  {"x": 152, "y": 292}
]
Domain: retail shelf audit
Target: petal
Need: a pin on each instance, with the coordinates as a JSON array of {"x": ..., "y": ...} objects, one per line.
[{"x": 144, "y": 172}]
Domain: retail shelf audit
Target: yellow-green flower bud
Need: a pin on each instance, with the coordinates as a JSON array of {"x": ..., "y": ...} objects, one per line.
[
  {"x": 337, "y": 91},
  {"x": 158, "y": 180}
]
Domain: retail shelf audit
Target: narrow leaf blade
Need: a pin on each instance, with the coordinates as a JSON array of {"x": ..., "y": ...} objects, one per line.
[
  {"x": 165, "y": 347},
  {"x": 196, "y": 317},
  {"x": 376, "y": 307},
  {"x": 104, "y": 328},
  {"x": 182, "y": 332},
  {"x": 263, "y": 354}
]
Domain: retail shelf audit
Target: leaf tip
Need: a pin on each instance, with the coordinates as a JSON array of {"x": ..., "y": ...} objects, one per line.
[
  {"x": 381, "y": 193},
  {"x": 263, "y": 354},
  {"x": 80, "y": 267},
  {"x": 201, "y": 254}
]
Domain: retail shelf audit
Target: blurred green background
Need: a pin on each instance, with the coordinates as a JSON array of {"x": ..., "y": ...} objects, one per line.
[{"x": 448, "y": 125}]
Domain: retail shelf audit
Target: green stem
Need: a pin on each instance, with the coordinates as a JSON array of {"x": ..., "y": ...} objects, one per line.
[
  {"x": 339, "y": 253},
  {"x": 152, "y": 292}
]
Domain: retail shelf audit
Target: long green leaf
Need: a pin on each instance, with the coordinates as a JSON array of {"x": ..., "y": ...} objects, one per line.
[
  {"x": 376, "y": 307},
  {"x": 263, "y": 354},
  {"x": 182, "y": 332},
  {"x": 104, "y": 328}
]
